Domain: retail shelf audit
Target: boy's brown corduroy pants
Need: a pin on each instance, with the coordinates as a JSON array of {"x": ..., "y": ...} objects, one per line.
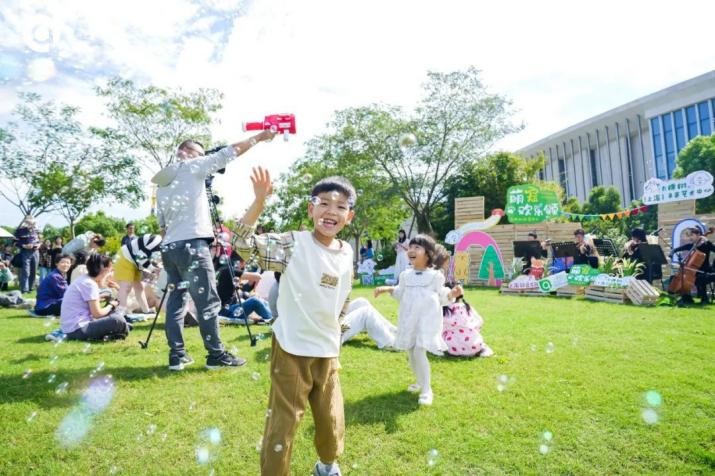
[{"x": 296, "y": 380}]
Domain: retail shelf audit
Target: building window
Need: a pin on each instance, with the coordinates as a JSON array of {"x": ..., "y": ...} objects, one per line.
[
  {"x": 562, "y": 175},
  {"x": 594, "y": 169},
  {"x": 704, "y": 112},
  {"x": 669, "y": 143},
  {"x": 657, "y": 147},
  {"x": 679, "y": 129},
  {"x": 692, "y": 120},
  {"x": 541, "y": 174}
]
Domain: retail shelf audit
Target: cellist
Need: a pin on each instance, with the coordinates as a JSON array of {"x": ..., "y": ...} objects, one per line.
[{"x": 703, "y": 274}]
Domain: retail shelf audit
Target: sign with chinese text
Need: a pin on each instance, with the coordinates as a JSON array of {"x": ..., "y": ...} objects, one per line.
[
  {"x": 581, "y": 275},
  {"x": 609, "y": 281},
  {"x": 461, "y": 266},
  {"x": 696, "y": 185},
  {"x": 531, "y": 204},
  {"x": 523, "y": 282},
  {"x": 553, "y": 282}
]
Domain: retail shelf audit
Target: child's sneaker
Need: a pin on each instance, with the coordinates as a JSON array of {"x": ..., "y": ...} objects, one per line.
[
  {"x": 177, "y": 363},
  {"x": 425, "y": 398},
  {"x": 322, "y": 469},
  {"x": 225, "y": 359},
  {"x": 414, "y": 388},
  {"x": 56, "y": 336}
]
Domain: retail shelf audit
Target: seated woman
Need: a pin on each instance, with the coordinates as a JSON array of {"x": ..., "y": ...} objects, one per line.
[
  {"x": 52, "y": 288},
  {"x": 83, "y": 316}
]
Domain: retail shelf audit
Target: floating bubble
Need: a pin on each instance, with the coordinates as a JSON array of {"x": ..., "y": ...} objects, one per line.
[
  {"x": 543, "y": 449},
  {"x": 208, "y": 337},
  {"x": 62, "y": 388},
  {"x": 172, "y": 246},
  {"x": 650, "y": 416},
  {"x": 164, "y": 436},
  {"x": 212, "y": 435},
  {"x": 51, "y": 378},
  {"x": 98, "y": 395},
  {"x": 196, "y": 279},
  {"x": 653, "y": 398},
  {"x": 268, "y": 413},
  {"x": 183, "y": 285},
  {"x": 87, "y": 347},
  {"x": 307, "y": 177},
  {"x": 192, "y": 252},
  {"x": 40, "y": 33},
  {"x": 192, "y": 405},
  {"x": 31, "y": 417},
  {"x": 237, "y": 282},
  {"x": 170, "y": 287},
  {"x": 201, "y": 290},
  {"x": 379, "y": 257},
  {"x": 278, "y": 448},
  {"x": 256, "y": 375},
  {"x": 207, "y": 315},
  {"x": 547, "y": 436},
  {"x": 355, "y": 466},
  {"x": 432, "y": 457},
  {"x": 407, "y": 140},
  {"x": 150, "y": 429},
  {"x": 550, "y": 347},
  {"x": 533, "y": 347},
  {"x": 100, "y": 367},
  {"x": 27, "y": 374},
  {"x": 113, "y": 470},
  {"x": 203, "y": 455},
  {"x": 252, "y": 141},
  {"x": 53, "y": 360},
  {"x": 314, "y": 200},
  {"x": 259, "y": 445}
]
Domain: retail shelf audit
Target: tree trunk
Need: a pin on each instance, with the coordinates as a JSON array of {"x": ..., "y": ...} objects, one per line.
[
  {"x": 423, "y": 221},
  {"x": 72, "y": 229}
]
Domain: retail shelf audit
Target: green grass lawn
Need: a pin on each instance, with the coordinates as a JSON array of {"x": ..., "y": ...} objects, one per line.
[{"x": 589, "y": 393}]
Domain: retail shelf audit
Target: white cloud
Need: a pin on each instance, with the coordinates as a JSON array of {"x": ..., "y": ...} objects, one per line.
[{"x": 560, "y": 62}]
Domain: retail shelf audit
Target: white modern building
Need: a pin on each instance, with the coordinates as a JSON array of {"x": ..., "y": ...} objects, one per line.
[{"x": 627, "y": 145}]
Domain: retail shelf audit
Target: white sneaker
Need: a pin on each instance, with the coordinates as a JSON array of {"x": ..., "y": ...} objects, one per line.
[
  {"x": 425, "y": 399},
  {"x": 414, "y": 388}
]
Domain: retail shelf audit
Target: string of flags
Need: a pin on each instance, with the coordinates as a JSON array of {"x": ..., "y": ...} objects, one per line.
[{"x": 606, "y": 216}]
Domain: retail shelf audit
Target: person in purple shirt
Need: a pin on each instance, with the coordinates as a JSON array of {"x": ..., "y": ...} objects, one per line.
[
  {"x": 83, "y": 316},
  {"x": 52, "y": 288},
  {"x": 28, "y": 241}
]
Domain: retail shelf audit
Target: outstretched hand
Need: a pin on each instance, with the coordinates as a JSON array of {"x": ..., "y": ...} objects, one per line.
[{"x": 262, "y": 186}]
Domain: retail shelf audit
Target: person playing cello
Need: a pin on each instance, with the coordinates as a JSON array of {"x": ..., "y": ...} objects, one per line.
[{"x": 703, "y": 275}]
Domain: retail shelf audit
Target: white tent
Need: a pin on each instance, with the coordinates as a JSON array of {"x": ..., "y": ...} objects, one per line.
[{"x": 5, "y": 234}]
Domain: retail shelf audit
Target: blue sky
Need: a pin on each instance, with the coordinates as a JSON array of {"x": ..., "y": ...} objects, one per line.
[{"x": 560, "y": 62}]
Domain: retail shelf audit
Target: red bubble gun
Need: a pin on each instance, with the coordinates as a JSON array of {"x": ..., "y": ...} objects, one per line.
[{"x": 284, "y": 123}]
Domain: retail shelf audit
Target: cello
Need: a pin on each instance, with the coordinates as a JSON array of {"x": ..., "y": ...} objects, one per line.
[{"x": 684, "y": 280}]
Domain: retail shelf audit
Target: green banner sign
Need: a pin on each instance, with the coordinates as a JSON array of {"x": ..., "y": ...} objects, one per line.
[
  {"x": 531, "y": 204},
  {"x": 581, "y": 275}
]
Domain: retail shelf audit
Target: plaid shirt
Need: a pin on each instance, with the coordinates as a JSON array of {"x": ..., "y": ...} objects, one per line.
[{"x": 272, "y": 250}]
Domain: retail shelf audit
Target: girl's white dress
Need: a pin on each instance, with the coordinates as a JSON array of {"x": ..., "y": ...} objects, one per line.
[
  {"x": 421, "y": 295},
  {"x": 402, "y": 262}
]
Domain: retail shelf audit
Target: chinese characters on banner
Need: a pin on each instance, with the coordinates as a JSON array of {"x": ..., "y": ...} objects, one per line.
[
  {"x": 696, "y": 185},
  {"x": 553, "y": 282},
  {"x": 581, "y": 275},
  {"x": 530, "y": 204}
]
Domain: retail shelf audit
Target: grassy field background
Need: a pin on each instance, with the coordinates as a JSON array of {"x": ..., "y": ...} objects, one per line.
[{"x": 574, "y": 370}]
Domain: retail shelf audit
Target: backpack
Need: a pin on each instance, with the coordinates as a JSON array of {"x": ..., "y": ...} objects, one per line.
[{"x": 461, "y": 326}]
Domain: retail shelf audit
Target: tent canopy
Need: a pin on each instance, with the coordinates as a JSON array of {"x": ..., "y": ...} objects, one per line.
[{"x": 5, "y": 234}]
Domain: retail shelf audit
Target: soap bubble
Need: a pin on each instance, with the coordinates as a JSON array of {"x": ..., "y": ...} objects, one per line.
[
  {"x": 192, "y": 406},
  {"x": 533, "y": 347},
  {"x": 40, "y": 33},
  {"x": 208, "y": 337},
  {"x": 543, "y": 449},
  {"x": 150, "y": 429},
  {"x": 237, "y": 282},
  {"x": 203, "y": 455},
  {"x": 27, "y": 374},
  {"x": 268, "y": 413},
  {"x": 379, "y": 256},
  {"x": 255, "y": 376},
  {"x": 183, "y": 285},
  {"x": 31, "y": 417},
  {"x": 278, "y": 448},
  {"x": 407, "y": 140},
  {"x": 307, "y": 177},
  {"x": 201, "y": 290},
  {"x": 170, "y": 287},
  {"x": 207, "y": 315},
  {"x": 550, "y": 347},
  {"x": 113, "y": 470},
  {"x": 98, "y": 395},
  {"x": 653, "y": 398},
  {"x": 547, "y": 436},
  {"x": 100, "y": 367},
  {"x": 53, "y": 360},
  {"x": 259, "y": 445},
  {"x": 62, "y": 388},
  {"x": 432, "y": 457},
  {"x": 213, "y": 435},
  {"x": 196, "y": 279},
  {"x": 650, "y": 416},
  {"x": 87, "y": 347},
  {"x": 41, "y": 69},
  {"x": 51, "y": 378}
]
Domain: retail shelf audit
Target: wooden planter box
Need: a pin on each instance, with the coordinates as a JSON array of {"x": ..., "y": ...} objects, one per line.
[
  {"x": 642, "y": 293},
  {"x": 570, "y": 291},
  {"x": 604, "y": 294},
  {"x": 521, "y": 292}
]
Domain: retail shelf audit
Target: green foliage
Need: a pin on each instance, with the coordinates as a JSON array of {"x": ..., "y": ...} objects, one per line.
[
  {"x": 154, "y": 121},
  {"x": 629, "y": 267},
  {"x": 112, "y": 245},
  {"x": 602, "y": 200},
  {"x": 698, "y": 154},
  {"x": 100, "y": 223},
  {"x": 51, "y": 231},
  {"x": 386, "y": 256}
]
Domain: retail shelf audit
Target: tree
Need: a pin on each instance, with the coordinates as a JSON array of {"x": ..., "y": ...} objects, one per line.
[
  {"x": 456, "y": 122},
  {"x": 490, "y": 178},
  {"x": 100, "y": 223},
  {"x": 87, "y": 174},
  {"x": 36, "y": 137},
  {"x": 698, "y": 154},
  {"x": 153, "y": 121},
  {"x": 379, "y": 210}
]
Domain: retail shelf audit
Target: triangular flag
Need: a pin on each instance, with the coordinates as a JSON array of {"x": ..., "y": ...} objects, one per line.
[
  {"x": 619, "y": 214},
  {"x": 643, "y": 208},
  {"x": 611, "y": 216},
  {"x": 627, "y": 213}
]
